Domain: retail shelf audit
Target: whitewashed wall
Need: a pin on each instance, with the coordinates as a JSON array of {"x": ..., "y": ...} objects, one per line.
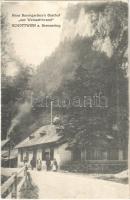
[
  {"x": 120, "y": 154},
  {"x": 20, "y": 164},
  {"x": 62, "y": 155},
  {"x": 39, "y": 154}
]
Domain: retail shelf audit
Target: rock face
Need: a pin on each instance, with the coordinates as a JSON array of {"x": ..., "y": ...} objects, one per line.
[{"x": 84, "y": 63}]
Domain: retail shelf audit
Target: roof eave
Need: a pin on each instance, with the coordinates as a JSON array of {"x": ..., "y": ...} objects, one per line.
[{"x": 59, "y": 141}]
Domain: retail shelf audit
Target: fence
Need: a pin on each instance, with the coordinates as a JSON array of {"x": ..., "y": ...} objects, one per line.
[
  {"x": 96, "y": 166},
  {"x": 11, "y": 188}
]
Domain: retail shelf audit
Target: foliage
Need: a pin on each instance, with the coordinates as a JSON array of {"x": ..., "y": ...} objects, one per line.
[
  {"x": 79, "y": 67},
  {"x": 15, "y": 89}
]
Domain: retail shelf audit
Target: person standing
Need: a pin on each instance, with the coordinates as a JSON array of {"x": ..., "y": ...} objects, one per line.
[
  {"x": 39, "y": 164},
  {"x": 48, "y": 164},
  {"x": 54, "y": 166},
  {"x": 32, "y": 163},
  {"x": 25, "y": 160}
]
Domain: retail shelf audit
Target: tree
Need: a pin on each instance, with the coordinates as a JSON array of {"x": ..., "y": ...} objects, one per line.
[{"x": 15, "y": 89}]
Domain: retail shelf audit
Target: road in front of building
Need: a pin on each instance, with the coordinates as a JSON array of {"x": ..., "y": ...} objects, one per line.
[{"x": 69, "y": 185}]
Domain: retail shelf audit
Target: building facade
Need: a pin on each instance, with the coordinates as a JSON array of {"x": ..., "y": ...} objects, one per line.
[
  {"x": 8, "y": 154},
  {"x": 46, "y": 142}
]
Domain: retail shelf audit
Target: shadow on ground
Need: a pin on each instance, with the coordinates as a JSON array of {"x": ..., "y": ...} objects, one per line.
[
  {"x": 29, "y": 191},
  {"x": 112, "y": 178}
]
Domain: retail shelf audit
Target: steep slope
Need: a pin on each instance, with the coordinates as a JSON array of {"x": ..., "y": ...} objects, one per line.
[{"x": 90, "y": 61}]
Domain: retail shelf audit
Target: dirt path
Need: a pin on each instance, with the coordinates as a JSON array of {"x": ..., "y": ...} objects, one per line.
[{"x": 62, "y": 185}]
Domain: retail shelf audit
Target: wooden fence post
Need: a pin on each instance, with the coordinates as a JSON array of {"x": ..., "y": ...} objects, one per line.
[{"x": 14, "y": 189}]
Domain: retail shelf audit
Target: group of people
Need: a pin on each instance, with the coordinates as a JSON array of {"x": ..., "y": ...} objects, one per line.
[{"x": 50, "y": 165}]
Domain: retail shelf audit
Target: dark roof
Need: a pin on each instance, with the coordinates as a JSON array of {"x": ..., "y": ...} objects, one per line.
[{"x": 50, "y": 136}]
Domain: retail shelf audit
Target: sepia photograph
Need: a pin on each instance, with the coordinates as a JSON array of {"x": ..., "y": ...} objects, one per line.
[{"x": 64, "y": 100}]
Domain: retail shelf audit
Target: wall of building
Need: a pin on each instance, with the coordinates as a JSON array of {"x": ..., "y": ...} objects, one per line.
[
  {"x": 60, "y": 154},
  {"x": 100, "y": 154},
  {"x": 63, "y": 156},
  {"x": 39, "y": 156},
  {"x": 20, "y": 163},
  {"x": 24, "y": 151},
  {"x": 19, "y": 159}
]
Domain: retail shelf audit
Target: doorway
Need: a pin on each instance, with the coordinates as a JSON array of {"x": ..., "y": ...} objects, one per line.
[{"x": 34, "y": 156}]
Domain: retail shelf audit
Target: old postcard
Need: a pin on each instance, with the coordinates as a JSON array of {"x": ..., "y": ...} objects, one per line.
[{"x": 64, "y": 99}]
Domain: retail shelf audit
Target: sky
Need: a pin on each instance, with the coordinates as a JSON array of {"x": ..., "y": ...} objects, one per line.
[{"x": 33, "y": 44}]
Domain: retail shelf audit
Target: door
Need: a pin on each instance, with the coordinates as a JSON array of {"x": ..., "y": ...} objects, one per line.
[{"x": 35, "y": 157}]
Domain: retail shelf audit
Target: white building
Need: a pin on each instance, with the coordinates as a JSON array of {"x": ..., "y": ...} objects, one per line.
[
  {"x": 45, "y": 142},
  {"x": 49, "y": 142}
]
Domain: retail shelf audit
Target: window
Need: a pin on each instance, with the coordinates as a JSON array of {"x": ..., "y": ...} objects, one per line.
[
  {"x": 26, "y": 157},
  {"x": 125, "y": 154},
  {"x": 51, "y": 154},
  {"x": 77, "y": 155},
  {"x": 88, "y": 154},
  {"x": 43, "y": 158},
  {"x": 120, "y": 154},
  {"x": 104, "y": 155},
  {"x": 113, "y": 154},
  {"x": 48, "y": 154},
  {"x": 34, "y": 154},
  {"x": 96, "y": 154},
  {"x": 45, "y": 155}
]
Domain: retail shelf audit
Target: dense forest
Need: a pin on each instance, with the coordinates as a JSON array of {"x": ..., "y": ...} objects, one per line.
[{"x": 86, "y": 63}]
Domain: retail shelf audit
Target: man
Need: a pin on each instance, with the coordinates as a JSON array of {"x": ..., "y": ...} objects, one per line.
[
  {"x": 48, "y": 164},
  {"x": 32, "y": 163}
]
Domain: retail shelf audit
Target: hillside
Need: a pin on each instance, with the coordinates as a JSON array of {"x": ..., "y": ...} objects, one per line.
[{"x": 88, "y": 63}]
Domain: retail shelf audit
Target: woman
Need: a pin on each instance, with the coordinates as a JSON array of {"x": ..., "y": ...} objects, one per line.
[
  {"x": 39, "y": 164},
  {"x": 54, "y": 166}
]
